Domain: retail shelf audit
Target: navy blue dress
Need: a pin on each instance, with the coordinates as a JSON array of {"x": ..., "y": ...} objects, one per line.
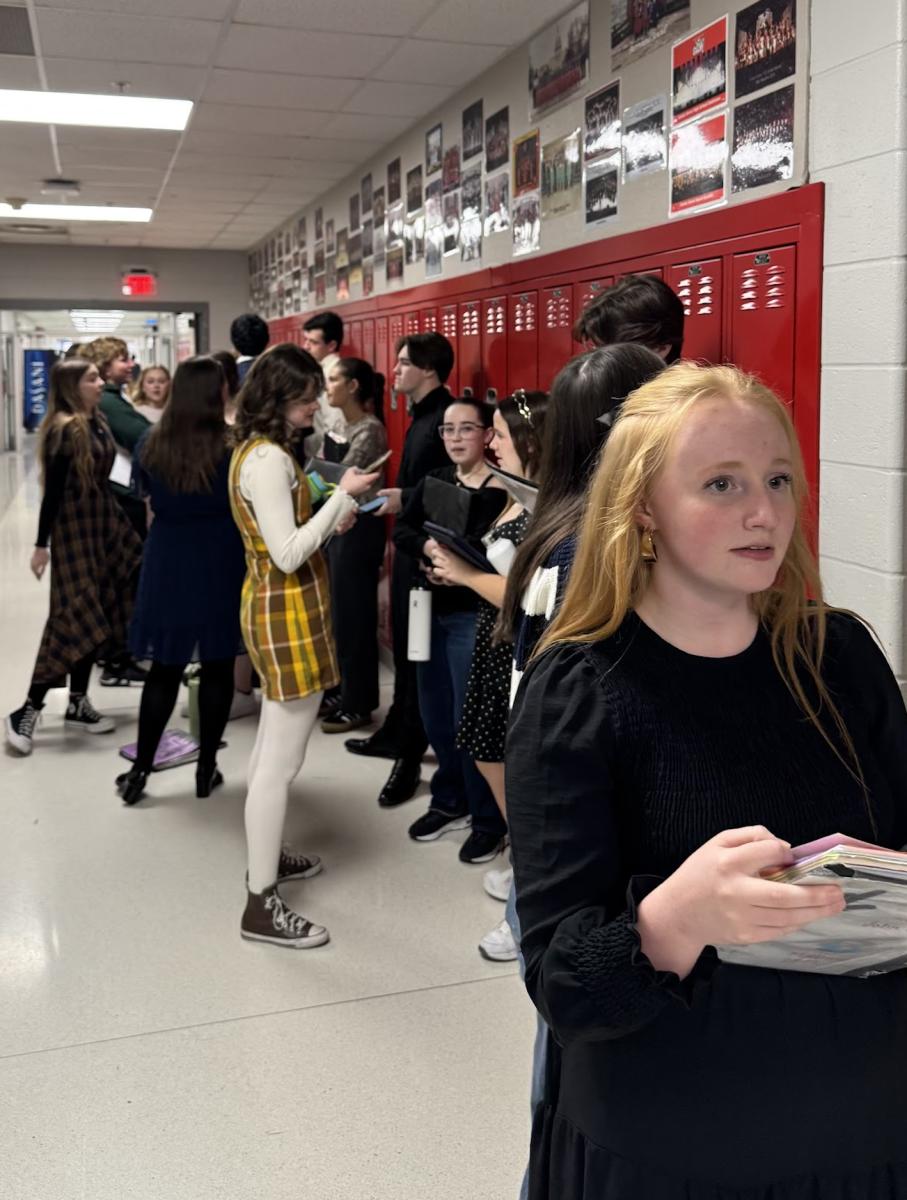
[{"x": 187, "y": 607}]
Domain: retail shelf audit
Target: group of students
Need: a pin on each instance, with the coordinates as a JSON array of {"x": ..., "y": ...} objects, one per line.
[{"x": 648, "y": 694}]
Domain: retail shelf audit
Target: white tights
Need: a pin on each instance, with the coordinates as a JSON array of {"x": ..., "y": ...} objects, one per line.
[{"x": 284, "y": 729}]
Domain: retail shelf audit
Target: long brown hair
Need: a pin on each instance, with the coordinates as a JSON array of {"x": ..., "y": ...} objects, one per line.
[
  {"x": 609, "y": 577},
  {"x": 190, "y": 439},
  {"x": 285, "y": 372},
  {"x": 66, "y": 411}
]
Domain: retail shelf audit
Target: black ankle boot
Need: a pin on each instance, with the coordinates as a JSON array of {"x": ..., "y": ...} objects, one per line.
[
  {"x": 206, "y": 780},
  {"x": 131, "y": 786}
]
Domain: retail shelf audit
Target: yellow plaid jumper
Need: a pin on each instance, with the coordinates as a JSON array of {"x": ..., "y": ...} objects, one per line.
[{"x": 285, "y": 619}]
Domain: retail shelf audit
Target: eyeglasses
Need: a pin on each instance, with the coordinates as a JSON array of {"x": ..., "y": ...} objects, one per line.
[{"x": 452, "y": 431}]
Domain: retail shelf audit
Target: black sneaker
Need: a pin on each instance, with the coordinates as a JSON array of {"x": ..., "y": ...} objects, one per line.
[
  {"x": 82, "y": 715},
  {"x": 435, "y": 824},
  {"x": 20, "y": 727},
  {"x": 329, "y": 705},
  {"x": 345, "y": 722},
  {"x": 482, "y": 847},
  {"x": 123, "y": 675}
]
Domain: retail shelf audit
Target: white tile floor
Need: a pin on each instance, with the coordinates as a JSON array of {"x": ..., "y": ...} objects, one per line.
[{"x": 147, "y": 1051}]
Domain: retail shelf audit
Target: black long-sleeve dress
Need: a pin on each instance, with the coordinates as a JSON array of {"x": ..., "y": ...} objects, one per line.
[{"x": 736, "y": 1083}]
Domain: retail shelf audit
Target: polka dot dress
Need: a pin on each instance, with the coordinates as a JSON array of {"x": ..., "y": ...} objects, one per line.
[{"x": 486, "y": 708}]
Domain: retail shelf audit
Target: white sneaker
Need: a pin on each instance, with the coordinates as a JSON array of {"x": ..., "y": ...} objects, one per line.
[
  {"x": 497, "y": 882},
  {"x": 245, "y": 704},
  {"x": 499, "y": 946}
]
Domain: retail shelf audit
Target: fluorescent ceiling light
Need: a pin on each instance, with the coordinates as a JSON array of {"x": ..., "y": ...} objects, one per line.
[
  {"x": 74, "y": 212},
  {"x": 88, "y": 320},
  {"x": 74, "y": 108}
]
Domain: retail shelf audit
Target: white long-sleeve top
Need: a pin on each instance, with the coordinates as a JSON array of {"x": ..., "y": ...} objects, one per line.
[{"x": 268, "y": 480}]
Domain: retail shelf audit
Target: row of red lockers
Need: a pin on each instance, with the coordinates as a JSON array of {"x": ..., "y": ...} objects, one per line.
[{"x": 749, "y": 279}]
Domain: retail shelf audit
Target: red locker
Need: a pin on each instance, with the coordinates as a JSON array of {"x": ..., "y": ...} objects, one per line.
[
  {"x": 583, "y": 295},
  {"x": 395, "y": 414},
  {"x": 449, "y": 330},
  {"x": 698, "y": 285},
  {"x": 429, "y": 320},
  {"x": 494, "y": 347},
  {"x": 762, "y": 322},
  {"x": 368, "y": 343},
  {"x": 555, "y": 339},
  {"x": 470, "y": 347},
  {"x": 354, "y": 338},
  {"x": 523, "y": 342},
  {"x": 413, "y": 324}
]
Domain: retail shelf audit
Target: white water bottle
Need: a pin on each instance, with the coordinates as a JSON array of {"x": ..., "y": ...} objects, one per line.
[{"x": 418, "y": 647}]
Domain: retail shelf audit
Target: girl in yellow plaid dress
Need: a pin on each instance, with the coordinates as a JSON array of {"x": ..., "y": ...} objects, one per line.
[{"x": 285, "y": 617}]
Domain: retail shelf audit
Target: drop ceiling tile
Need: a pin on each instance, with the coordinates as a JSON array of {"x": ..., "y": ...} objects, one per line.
[
  {"x": 238, "y": 145},
  {"x": 364, "y": 125},
  {"x": 23, "y": 138},
  {"x": 315, "y": 93},
  {"x": 445, "y": 63},
  {"x": 389, "y": 17},
  {"x": 168, "y": 40},
  {"x": 226, "y": 118},
  {"x": 128, "y": 140},
  {"x": 204, "y": 10},
  {"x": 350, "y": 152},
  {"x": 145, "y": 79},
  {"x": 296, "y": 52},
  {"x": 398, "y": 99},
  {"x": 92, "y": 158},
  {"x": 17, "y": 71},
  {"x": 503, "y": 23}
]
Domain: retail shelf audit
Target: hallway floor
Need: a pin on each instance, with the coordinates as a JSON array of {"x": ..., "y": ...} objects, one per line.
[{"x": 147, "y": 1051}]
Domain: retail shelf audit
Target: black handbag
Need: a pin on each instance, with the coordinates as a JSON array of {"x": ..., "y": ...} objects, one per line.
[{"x": 466, "y": 512}]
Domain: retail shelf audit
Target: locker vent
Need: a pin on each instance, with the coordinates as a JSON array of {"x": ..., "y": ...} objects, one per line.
[
  {"x": 494, "y": 318},
  {"x": 524, "y": 314},
  {"x": 15, "y": 31},
  {"x": 449, "y": 322},
  {"x": 698, "y": 294},
  {"x": 470, "y": 321},
  {"x": 557, "y": 309},
  {"x": 763, "y": 287}
]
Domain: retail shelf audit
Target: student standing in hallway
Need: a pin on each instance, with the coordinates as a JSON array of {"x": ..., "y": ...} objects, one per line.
[
  {"x": 249, "y": 335},
  {"x": 323, "y": 337},
  {"x": 112, "y": 358}
]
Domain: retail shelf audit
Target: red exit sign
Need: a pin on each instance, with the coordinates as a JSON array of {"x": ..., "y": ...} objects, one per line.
[{"x": 139, "y": 283}]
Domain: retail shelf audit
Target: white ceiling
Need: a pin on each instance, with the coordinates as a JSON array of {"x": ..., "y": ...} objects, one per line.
[{"x": 288, "y": 102}]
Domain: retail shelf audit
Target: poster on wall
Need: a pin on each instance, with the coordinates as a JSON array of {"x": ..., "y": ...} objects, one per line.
[
  {"x": 527, "y": 224},
  {"x": 393, "y": 182},
  {"x": 354, "y": 213},
  {"x": 433, "y": 150},
  {"x": 763, "y": 141},
  {"x": 413, "y": 191},
  {"x": 497, "y": 140},
  {"x": 395, "y": 267},
  {"x": 301, "y": 233},
  {"x": 319, "y": 224},
  {"x": 765, "y": 45},
  {"x": 638, "y": 27},
  {"x": 319, "y": 259},
  {"x": 559, "y": 60},
  {"x": 355, "y": 251},
  {"x": 471, "y": 216},
  {"x": 312, "y": 280},
  {"x": 365, "y": 191},
  {"x": 699, "y": 73},
  {"x": 368, "y": 239},
  {"x": 434, "y": 194},
  {"x": 451, "y": 223},
  {"x": 343, "y": 283},
  {"x": 644, "y": 145},
  {"x": 330, "y": 244},
  {"x": 330, "y": 272},
  {"x": 414, "y": 240},
  {"x": 395, "y": 221},
  {"x": 497, "y": 203},
  {"x": 699, "y": 165},
  {"x": 450, "y": 175},
  {"x": 562, "y": 176},
  {"x": 434, "y": 252},
  {"x": 473, "y": 130},
  {"x": 380, "y": 245},
  {"x": 343, "y": 250},
  {"x": 526, "y": 163},
  {"x": 319, "y": 290},
  {"x": 601, "y": 122},
  {"x": 368, "y": 279}
]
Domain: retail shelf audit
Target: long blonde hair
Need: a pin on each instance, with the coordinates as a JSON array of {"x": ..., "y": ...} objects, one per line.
[
  {"x": 137, "y": 390},
  {"x": 609, "y": 577}
]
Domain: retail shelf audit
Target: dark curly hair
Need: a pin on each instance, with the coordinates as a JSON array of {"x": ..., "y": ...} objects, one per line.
[{"x": 284, "y": 373}]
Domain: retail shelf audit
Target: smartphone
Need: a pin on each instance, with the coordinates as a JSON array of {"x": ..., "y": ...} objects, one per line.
[
  {"x": 379, "y": 462},
  {"x": 373, "y": 505}
]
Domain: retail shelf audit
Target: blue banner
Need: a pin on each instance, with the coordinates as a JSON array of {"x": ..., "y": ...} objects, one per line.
[{"x": 38, "y": 364}]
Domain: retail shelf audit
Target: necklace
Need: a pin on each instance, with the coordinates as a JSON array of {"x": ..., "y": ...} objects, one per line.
[{"x": 480, "y": 470}]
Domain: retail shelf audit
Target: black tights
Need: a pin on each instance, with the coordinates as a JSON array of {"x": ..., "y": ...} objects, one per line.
[
  {"x": 159, "y": 696},
  {"x": 79, "y": 677}
]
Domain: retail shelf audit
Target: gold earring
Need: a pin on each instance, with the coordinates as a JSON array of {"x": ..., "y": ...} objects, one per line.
[{"x": 647, "y": 551}]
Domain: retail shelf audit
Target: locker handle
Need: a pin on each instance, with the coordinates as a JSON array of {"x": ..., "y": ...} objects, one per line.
[{"x": 491, "y": 395}]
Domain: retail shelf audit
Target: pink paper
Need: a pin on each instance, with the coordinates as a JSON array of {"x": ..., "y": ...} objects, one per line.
[{"x": 808, "y": 849}]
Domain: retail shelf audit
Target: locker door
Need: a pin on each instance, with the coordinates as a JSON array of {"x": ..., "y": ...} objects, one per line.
[
  {"x": 523, "y": 342},
  {"x": 555, "y": 339},
  {"x": 470, "y": 345},
  {"x": 583, "y": 295},
  {"x": 429, "y": 320},
  {"x": 368, "y": 343},
  {"x": 395, "y": 414},
  {"x": 658, "y": 272},
  {"x": 699, "y": 287},
  {"x": 449, "y": 330},
  {"x": 494, "y": 347},
  {"x": 762, "y": 333},
  {"x": 354, "y": 338},
  {"x": 412, "y": 323}
]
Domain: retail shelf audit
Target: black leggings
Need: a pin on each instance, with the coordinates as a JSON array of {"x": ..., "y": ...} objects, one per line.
[
  {"x": 159, "y": 697},
  {"x": 79, "y": 676}
]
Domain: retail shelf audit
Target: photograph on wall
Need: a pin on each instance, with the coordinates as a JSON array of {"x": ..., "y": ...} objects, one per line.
[
  {"x": 640, "y": 26},
  {"x": 366, "y": 196},
  {"x": 433, "y": 150},
  {"x": 562, "y": 176},
  {"x": 301, "y": 233},
  {"x": 319, "y": 224},
  {"x": 497, "y": 140},
  {"x": 699, "y": 73},
  {"x": 379, "y": 207},
  {"x": 330, "y": 245},
  {"x": 644, "y": 146},
  {"x": 354, "y": 249},
  {"x": 601, "y": 191},
  {"x": 368, "y": 279},
  {"x": 395, "y": 267},
  {"x": 395, "y": 221},
  {"x": 699, "y": 165},
  {"x": 434, "y": 252},
  {"x": 601, "y": 122},
  {"x": 765, "y": 45},
  {"x": 450, "y": 175},
  {"x": 559, "y": 60},
  {"x": 471, "y": 216},
  {"x": 763, "y": 141},
  {"x": 343, "y": 283},
  {"x": 354, "y": 213},
  {"x": 330, "y": 272},
  {"x": 319, "y": 259},
  {"x": 434, "y": 194},
  {"x": 312, "y": 279},
  {"x": 380, "y": 245},
  {"x": 343, "y": 248},
  {"x": 319, "y": 290},
  {"x": 473, "y": 130},
  {"x": 526, "y": 164},
  {"x": 413, "y": 190},
  {"x": 527, "y": 224},
  {"x": 394, "y": 178},
  {"x": 451, "y": 223},
  {"x": 368, "y": 239},
  {"x": 356, "y": 276},
  {"x": 497, "y": 203},
  {"x": 414, "y": 240}
]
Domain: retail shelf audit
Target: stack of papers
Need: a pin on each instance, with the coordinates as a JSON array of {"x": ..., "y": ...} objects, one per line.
[
  {"x": 523, "y": 491},
  {"x": 868, "y": 938},
  {"x": 175, "y": 748}
]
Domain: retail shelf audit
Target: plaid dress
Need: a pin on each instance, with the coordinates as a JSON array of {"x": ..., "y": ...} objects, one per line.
[
  {"x": 285, "y": 619},
  {"x": 95, "y": 559}
]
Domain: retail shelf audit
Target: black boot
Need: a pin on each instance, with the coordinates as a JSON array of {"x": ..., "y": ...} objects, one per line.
[
  {"x": 206, "y": 780},
  {"x": 402, "y": 782},
  {"x": 131, "y": 786}
]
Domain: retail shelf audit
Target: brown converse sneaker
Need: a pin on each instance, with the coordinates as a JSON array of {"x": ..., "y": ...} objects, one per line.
[
  {"x": 296, "y": 866},
  {"x": 267, "y": 919}
]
